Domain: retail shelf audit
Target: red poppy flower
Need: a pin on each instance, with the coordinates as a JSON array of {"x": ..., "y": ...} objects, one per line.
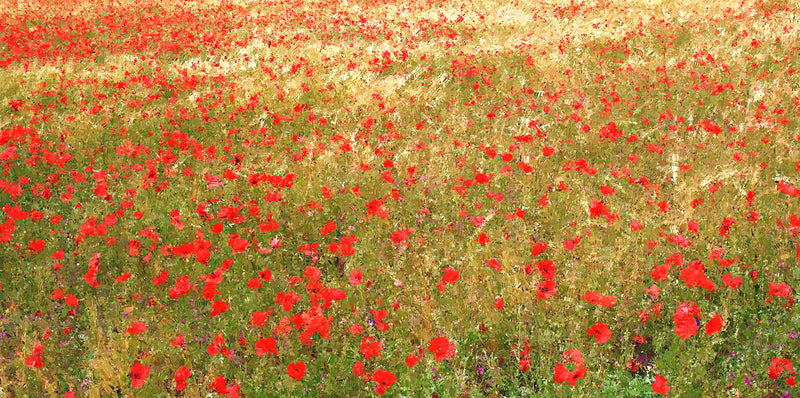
[
  {"x": 597, "y": 209},
  {"x": 296, "y": 370},
  {"x": 780, "y": 290},
  {"x": 356, "y": 329},
  {"x": 695, "y": 275},
  {"x": 401, "y": 235},
  {"x": 598, "y": 299},
  {"x": 35, "y": 359},
  {"x": 547, "y": 269},
  {"x": 254, "y": 283},
  {"x": 685, "y": 318},
  {"x": 237, "y": 244},
  {"x": 327, "y": 228},
  {"x": 494, "y": 264},
  {"x": 378, "y": 317},
  {"x": 546, "y": 289},
  {"x": 345, "y": 246},
  {"x": 259, "y": 317},
  {"x": 287, "y": 300},
  {"x": 607, "y": 190},
  {"x": 161, "y": 278},
  {"x": 574, "y": 356},
  {"x": 175, "y": 219},
  {"x": 220, "y": 385},
  {"x": 266, "y": 346},
  {"x": 370, "y": 348},
  {"x": 218, "y": 307},
  {"x": 91, "y": 274},
  {"x": 136, "y": 328},
  {"x": 441, "y": 348},
  {"x": 450, "y": 275},
  {"x": 36, "y": 246},
  {"x": 385, "y": 379},
  {"x": 358, "y": 368},
  {"x": 562, "y": 374},
  {"x": 653, "y": 290},
  {"x": 218, "y": 346},
  {"x": 610, "y": 132},
  {"x": 788, "y": 189},
  {"x": 138, "y": 374},
  {"x": 778, "y": 366},
  {"x": 375, "y": 208},
  {"x": 543, "y": 201},
  {"x": 724, "y": 229},
  {"x": 632, "y": 365},
  {"x": 538, "y": 248},
  {"x": 660, "y": 386},
  {"x": 714, "y": 325},
  {"x": 181, "y": 375},
  {"x": 601, "y": 332},
  {"x": 177, "y": 341},
  {"x": 482, "y": 178},
  {"x": 356, "y": 277},
  {"x": 498, "y": 303},
  {"x": 71, "y": 300},
  {"x": 411, "y": 360},
  {"x": 731, "y": 281}
]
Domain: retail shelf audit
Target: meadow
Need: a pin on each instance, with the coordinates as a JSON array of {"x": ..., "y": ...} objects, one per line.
[{"x": 488, "y": 198}]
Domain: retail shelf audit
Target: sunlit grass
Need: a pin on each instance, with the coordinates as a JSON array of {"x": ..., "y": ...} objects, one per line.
[{"x": 484, "y": 165}]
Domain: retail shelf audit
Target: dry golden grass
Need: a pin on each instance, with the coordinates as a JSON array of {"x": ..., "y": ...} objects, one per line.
[{"x": 520, "y": 39}]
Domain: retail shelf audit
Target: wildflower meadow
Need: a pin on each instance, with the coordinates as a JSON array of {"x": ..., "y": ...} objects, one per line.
[{"x": 400, "y": 198}]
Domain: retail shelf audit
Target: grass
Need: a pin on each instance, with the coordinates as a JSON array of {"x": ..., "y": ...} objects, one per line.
[{"x": 217, "y": 140}]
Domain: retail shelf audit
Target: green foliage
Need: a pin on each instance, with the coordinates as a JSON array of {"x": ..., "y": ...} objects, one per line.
[{"x": 443, "y": 143}]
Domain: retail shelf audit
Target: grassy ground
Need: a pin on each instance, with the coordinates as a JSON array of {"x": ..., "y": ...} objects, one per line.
[{"x": 369, "y": 185}]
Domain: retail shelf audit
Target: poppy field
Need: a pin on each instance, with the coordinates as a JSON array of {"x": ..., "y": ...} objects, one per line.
[{"x": 490, "y": 198}]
